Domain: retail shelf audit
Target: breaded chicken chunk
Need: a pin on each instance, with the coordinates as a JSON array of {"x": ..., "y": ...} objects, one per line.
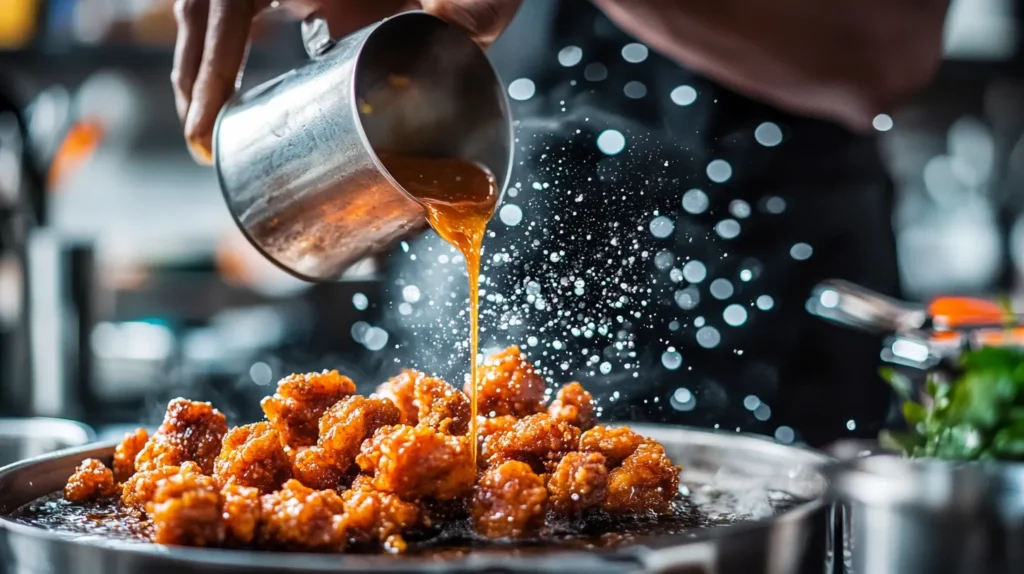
[
  {"x": 538, "y": 440},
  {"x": 646, "y": 483},
  {"x": 574, "y": 405},
  {"x": 191, "y": 431},
  {"x": 509, "y": 501},
  {"x": 509, "y": 385},
  {"x": 252, "y": 455},
  {"x": 126, "y": 452},
  {"x": 417, "y": 462},
  {"x": 301, "y": 399},
  {"x": 91, "y": 480},
  {"x": 579, "y": 483},
  {"x": 300, "y": 518}
]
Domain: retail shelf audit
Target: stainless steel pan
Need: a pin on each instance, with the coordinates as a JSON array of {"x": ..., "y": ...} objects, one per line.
[{"x": 744, "y": 469}]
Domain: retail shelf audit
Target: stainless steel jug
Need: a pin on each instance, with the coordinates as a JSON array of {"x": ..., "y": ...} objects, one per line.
[{"x": 296, "y": 157}]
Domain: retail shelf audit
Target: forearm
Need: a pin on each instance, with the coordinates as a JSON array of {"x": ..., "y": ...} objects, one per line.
[{"x": 844, "y": 60}]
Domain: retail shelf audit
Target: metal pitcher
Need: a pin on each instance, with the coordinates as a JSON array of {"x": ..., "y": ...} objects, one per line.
[{"x": 296, "y": 157}]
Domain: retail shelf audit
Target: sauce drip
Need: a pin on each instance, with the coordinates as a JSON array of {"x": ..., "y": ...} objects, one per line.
[{"x": 460, "y": 197}]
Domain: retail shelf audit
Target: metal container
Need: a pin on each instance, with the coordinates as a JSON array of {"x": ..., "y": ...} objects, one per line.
[
  {"x": 796, "y": 540},
  {"x": 296, "y": 157},
  {"x": 906, "y": 516},
  {"x": 21, "y": 439}
]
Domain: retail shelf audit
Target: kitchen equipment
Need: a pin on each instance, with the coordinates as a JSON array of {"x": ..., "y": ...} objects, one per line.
[
  {"x": 906, "y": 516},
  {"x": 26, "y": 438},
  {"x": 296, "y": 157},
  {"x": 743, "y": 469},
  {"x": 919, "y": 336}
]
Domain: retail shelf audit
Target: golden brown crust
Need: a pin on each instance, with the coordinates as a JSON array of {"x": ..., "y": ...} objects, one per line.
[
  {"x": 91, "y": 480},
  {"x": 301, "y": 399},
  {"x": 126, "y": 452},
  {"x": 280, "y": 484},
  {"x": 509, "y": 385},
  {"x": 578, "y": 483},
  {"x": 647, "y": 482},
  {"x": 426, "y": 400},
  {"x": 252, "y": 455},
  {"x": 191, "y": 431},
  {"x": 348, "y": 423},
  {"x": 401, "y": 391},
  {"x": 240, "y": 512},
  {"x": 185, "y": 511},
  {"x": 574, "y": 405},
  {"x": 509, "y": 501},
  {"x": 300, "y": 518},
  {"x": 316, "y": 470},
  {"x": 615, "y": 443},
  {"x": 375, "y": 516},
  {"x": 416, "y": 462},
  {"x": 442, "y": 406},
  {"x": 538, "y": 440},
  {"x": 141, "y": 487}
]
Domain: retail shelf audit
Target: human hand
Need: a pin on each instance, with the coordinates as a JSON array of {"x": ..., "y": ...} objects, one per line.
[{"x": 213, "y": 38}]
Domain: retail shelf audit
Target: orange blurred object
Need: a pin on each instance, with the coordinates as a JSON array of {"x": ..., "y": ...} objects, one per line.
[
  {"x": 953, "y": 312},
  {"x": 79, "y": 144},
  {"x": 999, "y": 337}
]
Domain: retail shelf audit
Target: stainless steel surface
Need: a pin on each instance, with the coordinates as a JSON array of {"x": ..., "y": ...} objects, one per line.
[
  {"x": 296, "y": 157},
  {"x": 854, "y": 306},
  {"x": 62, "y": 300},
  {"x": 906, "y": 516},
  {"x": 21, "y": 439},
  {"x": 794, "y": 541}
]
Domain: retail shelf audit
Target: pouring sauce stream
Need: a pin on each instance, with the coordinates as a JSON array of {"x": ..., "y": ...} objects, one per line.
[{"x": 460, "y": 197}]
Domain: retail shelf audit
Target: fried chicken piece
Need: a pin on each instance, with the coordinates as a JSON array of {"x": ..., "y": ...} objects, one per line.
[
  {"x": 141, "y": 487},
  {"x": 647, "y": 482},
  {"x": 538, "y": 440},
  {"x": 401, "y": 390},
  {"x": 191, "y": 431},
  {"x": 186, "y": 511},
  {"x": 316, "y": 470},
  {"x": 579, "y": 483},
  {"x": 574, "y": 405},
  {"x": 92, "y": 480},
  {"x": 442, "y": 406},
  {"x": 301, "y": 399},
  {"x": 348, "y": 423},
  {"x": 486, "y": 427},
  {"x": 509, "y": 385},
  {"x": 422, "y": 399},
  {"x": 375, "y": 516},
  {"x": 416, "y": 462},
  {"x": 615, "y": 443},
  {"x": 125, "y": 453},
  {"x": 509, "y": 501},
  {"x": 240, "y": 512},
  {"x": 300, "y": 518},
  {"x": 252, "y": 455}
]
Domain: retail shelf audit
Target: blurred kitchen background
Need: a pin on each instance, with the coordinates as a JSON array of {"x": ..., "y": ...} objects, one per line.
[{"x": 123, "y": 280}]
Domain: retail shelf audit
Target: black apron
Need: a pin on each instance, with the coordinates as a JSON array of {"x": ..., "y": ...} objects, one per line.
[{"x": 658, "y": 242}]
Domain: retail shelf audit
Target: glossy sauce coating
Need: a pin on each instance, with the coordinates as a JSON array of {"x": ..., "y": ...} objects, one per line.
[{"x": 460, "y": 198}]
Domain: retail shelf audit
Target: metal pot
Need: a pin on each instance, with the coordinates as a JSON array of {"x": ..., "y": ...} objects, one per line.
[
  {"x": 797, "y": 540},
  {"x": 907, "y": 516},
  {"x": 27, "y": 438},
  {"x": 297, "y": 159}
]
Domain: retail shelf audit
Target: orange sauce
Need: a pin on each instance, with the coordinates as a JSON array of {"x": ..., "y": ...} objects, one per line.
[{"x": 460, "y": 197}]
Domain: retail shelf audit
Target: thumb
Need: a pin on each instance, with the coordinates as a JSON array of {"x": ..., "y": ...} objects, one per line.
[{"x": 485, "y": 20}]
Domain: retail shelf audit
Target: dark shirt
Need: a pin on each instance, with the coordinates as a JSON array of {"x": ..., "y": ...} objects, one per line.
[{"x": 672, "y": 305}]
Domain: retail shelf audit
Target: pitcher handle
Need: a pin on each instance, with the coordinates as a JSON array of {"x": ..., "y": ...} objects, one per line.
[{"x": 316, "y": 36}]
